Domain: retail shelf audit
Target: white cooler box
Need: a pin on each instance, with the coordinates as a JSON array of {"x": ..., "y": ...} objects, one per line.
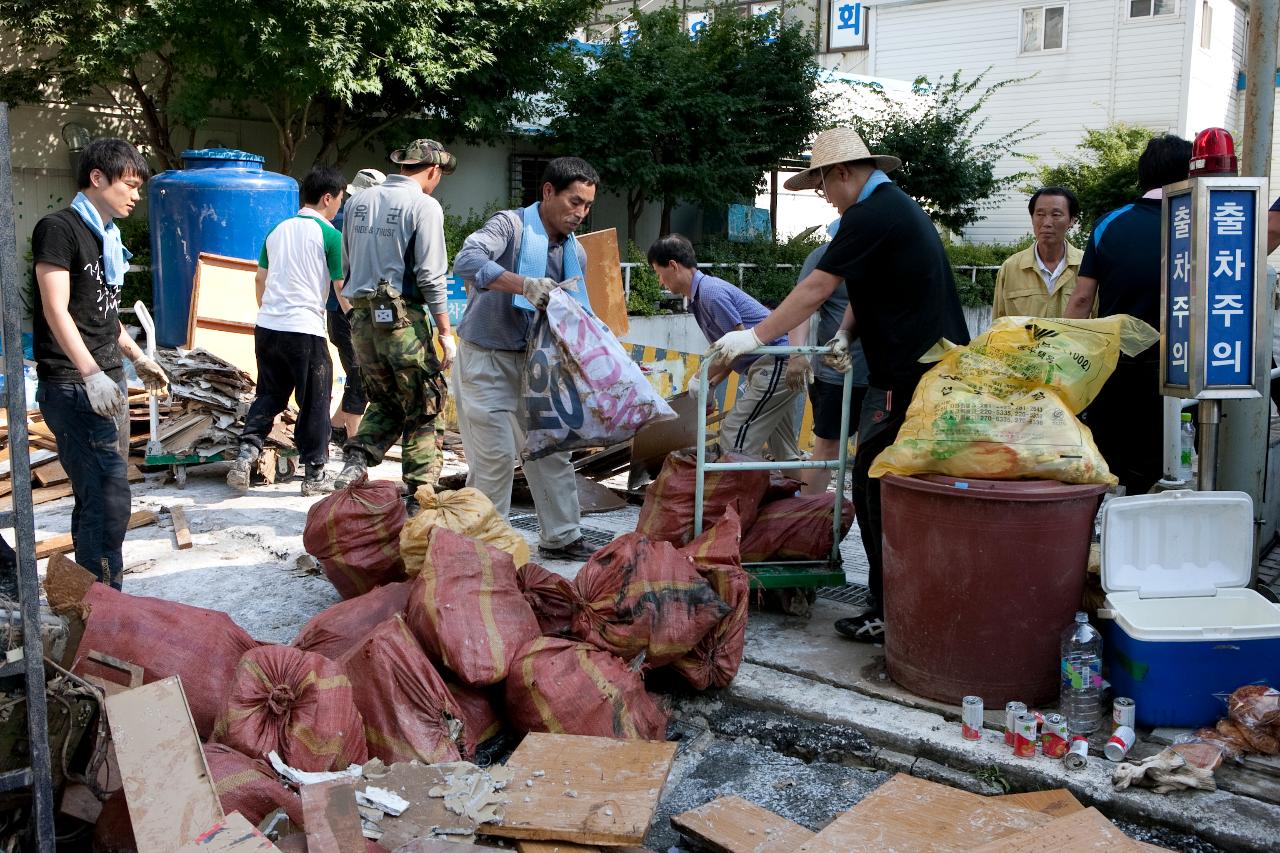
[{"x": 1184, "y": 631}]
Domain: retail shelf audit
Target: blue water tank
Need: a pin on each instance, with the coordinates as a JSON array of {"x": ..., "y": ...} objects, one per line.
[{"x": 222, "y": 202}]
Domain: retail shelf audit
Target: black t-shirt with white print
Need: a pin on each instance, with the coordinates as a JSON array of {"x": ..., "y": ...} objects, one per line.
[{"x": 64, "y": 240}]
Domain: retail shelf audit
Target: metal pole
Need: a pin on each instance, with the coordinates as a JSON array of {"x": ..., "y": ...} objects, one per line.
[
  {"x": 1246, "y": 424},
  {"x": 1207, "y": 443},
  {"x": 23, "y": 511}
]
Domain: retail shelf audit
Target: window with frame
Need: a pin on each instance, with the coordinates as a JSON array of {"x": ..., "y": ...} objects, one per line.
[
  {"x": 1043, "y": 28},
  {"x": 1206, "y": 25},
  {"x": 1152, "y": 8}
]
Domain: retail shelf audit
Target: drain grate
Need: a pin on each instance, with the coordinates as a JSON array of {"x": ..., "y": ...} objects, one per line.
[
  {"x": 854, "y": 594},
  {"x": 591, "y": 535}
]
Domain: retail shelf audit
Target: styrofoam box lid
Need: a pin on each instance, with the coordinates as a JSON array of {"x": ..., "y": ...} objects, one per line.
[{"x": 1176, "y": 544}]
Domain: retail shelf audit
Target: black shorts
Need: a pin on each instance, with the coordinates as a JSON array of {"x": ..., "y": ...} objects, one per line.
[{"x": 825, "y": 397}]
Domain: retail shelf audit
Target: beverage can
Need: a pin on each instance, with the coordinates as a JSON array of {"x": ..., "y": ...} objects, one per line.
[
  {"x": 1121, "y": 742},
  {"x": 971, "y": 718},
  {"x": 1123, "y": 712},
  {"x": 1024, "y": 736},
  {"x": 1077, "y": 754},
  {"x": 1011, "y": 712},
  {"x": 1054, "y": 736}
]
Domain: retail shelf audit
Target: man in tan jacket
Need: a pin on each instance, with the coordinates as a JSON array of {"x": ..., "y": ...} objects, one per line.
[{"x": 1039, "y": 280}]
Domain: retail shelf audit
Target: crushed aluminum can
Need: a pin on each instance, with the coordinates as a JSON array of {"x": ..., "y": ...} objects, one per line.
[
  {"x": 1011, "y": 712},
  {"x": 971, "y": 718},
  {"x": 1123, "y": 712},
  {"x": 1024, "y": 736},
  {"x": 1054, "y": 736},
  {"x": 1121, "y": 742},
  {"x": 1078, "y": 754}
]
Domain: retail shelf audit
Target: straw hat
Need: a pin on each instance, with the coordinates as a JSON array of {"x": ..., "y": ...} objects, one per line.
[{"x": 838, "y": 145}]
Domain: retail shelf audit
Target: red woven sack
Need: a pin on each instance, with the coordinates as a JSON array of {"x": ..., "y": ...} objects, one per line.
[
  {"x": 562, "y": 686},
  {"x": 794, "y": 529},
  {"x": 466, "y": 609},
  {"x": 780, "y": 487},
  {"x": 715, "y": 660},
  {"x": 201, "y": 647},
  {"x": 644, "y": 596},
  {"x": 408, "y": 712},
  {"x": 355, "y": 534},
  {"x": 480, "y": 720},
  {"x": 295, "y": 703},
  {"x": 336, "y": 629},
  {"x": 249, "y": 786},
  {"x": 553, "y": 599},
  {"x": 668, "y": 502}
]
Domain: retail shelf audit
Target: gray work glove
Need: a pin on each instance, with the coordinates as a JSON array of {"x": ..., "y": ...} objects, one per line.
[
  {"x": 151, "y": 374},
  {"x": 538, "y": 290},
  {"x": 799, "y": 373},
  {"x": 104, "y": 395}
]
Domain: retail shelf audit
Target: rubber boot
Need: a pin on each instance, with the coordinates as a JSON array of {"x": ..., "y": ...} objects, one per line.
[
  {"x": 242, "y": 468},
  {"x": 355, "y": 467},
  {"x": 316, "y": 482}
]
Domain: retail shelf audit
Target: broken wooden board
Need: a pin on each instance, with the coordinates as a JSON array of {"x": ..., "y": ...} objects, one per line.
[
  {"x": 62, "y": 544},
  {"x": 1081, "y": 832},
  {"x": 593, "y": 497},
  {"x": 50, "y": 474},
  {"x": 907, "y": 813},
  {"x": 604, "y": 284},
  {"x": 734, "y": 825},
  {"x": 568, "y": 847},
  {"x": 39, "y": 496},
  {"x": 232, "y": 834},
  {"x": 412, "y": 780},
  {"x": 181, "y": 530},
  {"x": 167, "y": 784},
  {"x": 1055, "y": 803},
  {"x": 587, "y": 790},
  {"x": 331, "y": 817}
]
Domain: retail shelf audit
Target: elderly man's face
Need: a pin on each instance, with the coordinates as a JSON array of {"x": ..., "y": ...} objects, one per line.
[{"x": 1051, "y": 219}]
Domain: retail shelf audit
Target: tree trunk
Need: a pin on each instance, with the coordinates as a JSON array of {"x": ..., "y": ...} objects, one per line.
[
  {"x": 635, "y": 207},
  {"x": 664, "y": 224}
]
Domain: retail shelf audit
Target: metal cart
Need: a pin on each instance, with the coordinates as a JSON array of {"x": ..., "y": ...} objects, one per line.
[{"x": 787, "y": 573}]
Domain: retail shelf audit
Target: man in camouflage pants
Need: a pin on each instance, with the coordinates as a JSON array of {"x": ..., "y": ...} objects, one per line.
[{"x": 394, "y": 251}]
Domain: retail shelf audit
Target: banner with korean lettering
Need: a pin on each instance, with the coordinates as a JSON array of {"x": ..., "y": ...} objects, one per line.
[
  {"x": 1177, "y": 309},
  {"x": 847, "y": 25},
  {"x": 1228, "y": 352}
]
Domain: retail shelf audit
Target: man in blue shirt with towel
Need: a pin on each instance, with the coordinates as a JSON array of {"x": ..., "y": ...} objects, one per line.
[{"x": 511, "y": 265}]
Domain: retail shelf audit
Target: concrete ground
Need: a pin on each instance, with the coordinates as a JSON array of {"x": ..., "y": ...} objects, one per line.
[{"x": 811, "y": 724}]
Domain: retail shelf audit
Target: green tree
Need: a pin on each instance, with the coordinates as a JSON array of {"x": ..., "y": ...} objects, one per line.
[
  {"x": 664, "y": 117},
  {"x": 1103, "y": 173},
  {"x": 944, "y": 166}
]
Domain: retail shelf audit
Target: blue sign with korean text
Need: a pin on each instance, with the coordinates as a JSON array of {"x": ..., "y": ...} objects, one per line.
[
  {"x": 457, "y": 299},
  {"x": 1177, "y": 321},
  {"x": 1230, "y": 290}
]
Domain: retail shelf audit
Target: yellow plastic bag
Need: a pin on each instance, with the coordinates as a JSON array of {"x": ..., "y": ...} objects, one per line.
[
  {"x": 465, "y": 511},
  {"x": 1003, "y": 407}
]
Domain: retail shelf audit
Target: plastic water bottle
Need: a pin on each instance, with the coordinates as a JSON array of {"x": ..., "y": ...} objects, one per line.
[
  {"x": 1187, "y": 460},
  {"x": 1081, "y": 676}
]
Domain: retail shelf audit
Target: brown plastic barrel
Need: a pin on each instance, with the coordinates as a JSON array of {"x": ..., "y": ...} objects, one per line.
[{"x": 980, "y": 578}]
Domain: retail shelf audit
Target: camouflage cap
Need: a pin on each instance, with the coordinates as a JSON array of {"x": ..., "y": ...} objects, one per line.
[{"x": 425, "y": 151}]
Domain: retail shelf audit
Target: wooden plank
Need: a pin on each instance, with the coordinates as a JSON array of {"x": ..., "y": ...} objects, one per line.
[
  {"x": 733, "y": 825},
  {"x": 50, "y": 474},
  {"x": 587, "y": 790},
  {"x": 907, "y": 813},
  {"x": 181, "y": 530},
  {"x": 569, "y": 847},
  {"x": 604, "y": 279},
  {"x": 331, "y": 817},
  {"x": 232, "y": 834},
  {"x": 39, "y": 496},
  {"x": 1080, "y": 832},
  {"x": 167, "y": 784},
  {"x": 1055, "y": 803},
  {"x": 61, "y": 544}
]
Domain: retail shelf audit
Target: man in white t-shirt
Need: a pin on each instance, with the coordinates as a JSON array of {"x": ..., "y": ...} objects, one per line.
[{"x": 301, "y": 259}]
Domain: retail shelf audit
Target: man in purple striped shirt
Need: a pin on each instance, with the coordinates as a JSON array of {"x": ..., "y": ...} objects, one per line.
[{"x": 764, "y": 412}]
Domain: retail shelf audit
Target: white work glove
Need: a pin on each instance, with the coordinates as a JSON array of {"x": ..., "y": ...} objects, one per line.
[
  {"x": 104, "y": 394},
  {"x": 799, "y": 373},
  {"x": 151, "y": 375},
  {"x": 538, "y": 290},
  {"x": 734, "y": 345},
  {"x": 449, "y": 344},
  {"x": 839, "y": 358},
  {"x": 692, "y": 386}
]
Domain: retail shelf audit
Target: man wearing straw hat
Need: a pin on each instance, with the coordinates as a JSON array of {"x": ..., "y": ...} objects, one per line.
[{"x": 902, "y": 300}]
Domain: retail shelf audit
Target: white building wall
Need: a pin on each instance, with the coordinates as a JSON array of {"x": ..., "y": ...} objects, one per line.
[{"x": 1214, "y": 71}]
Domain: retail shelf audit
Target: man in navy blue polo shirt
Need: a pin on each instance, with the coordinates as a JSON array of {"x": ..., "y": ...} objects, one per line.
[
  {"x": 764, "y": 411},
  {"x": 1121, "y": 266}
]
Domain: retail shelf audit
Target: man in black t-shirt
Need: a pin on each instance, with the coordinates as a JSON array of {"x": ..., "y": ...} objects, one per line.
[
  {"x": 902, "y": 300},
  {"x": 1121, "y": 266},
  {"x": 79, "y": 270}
]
